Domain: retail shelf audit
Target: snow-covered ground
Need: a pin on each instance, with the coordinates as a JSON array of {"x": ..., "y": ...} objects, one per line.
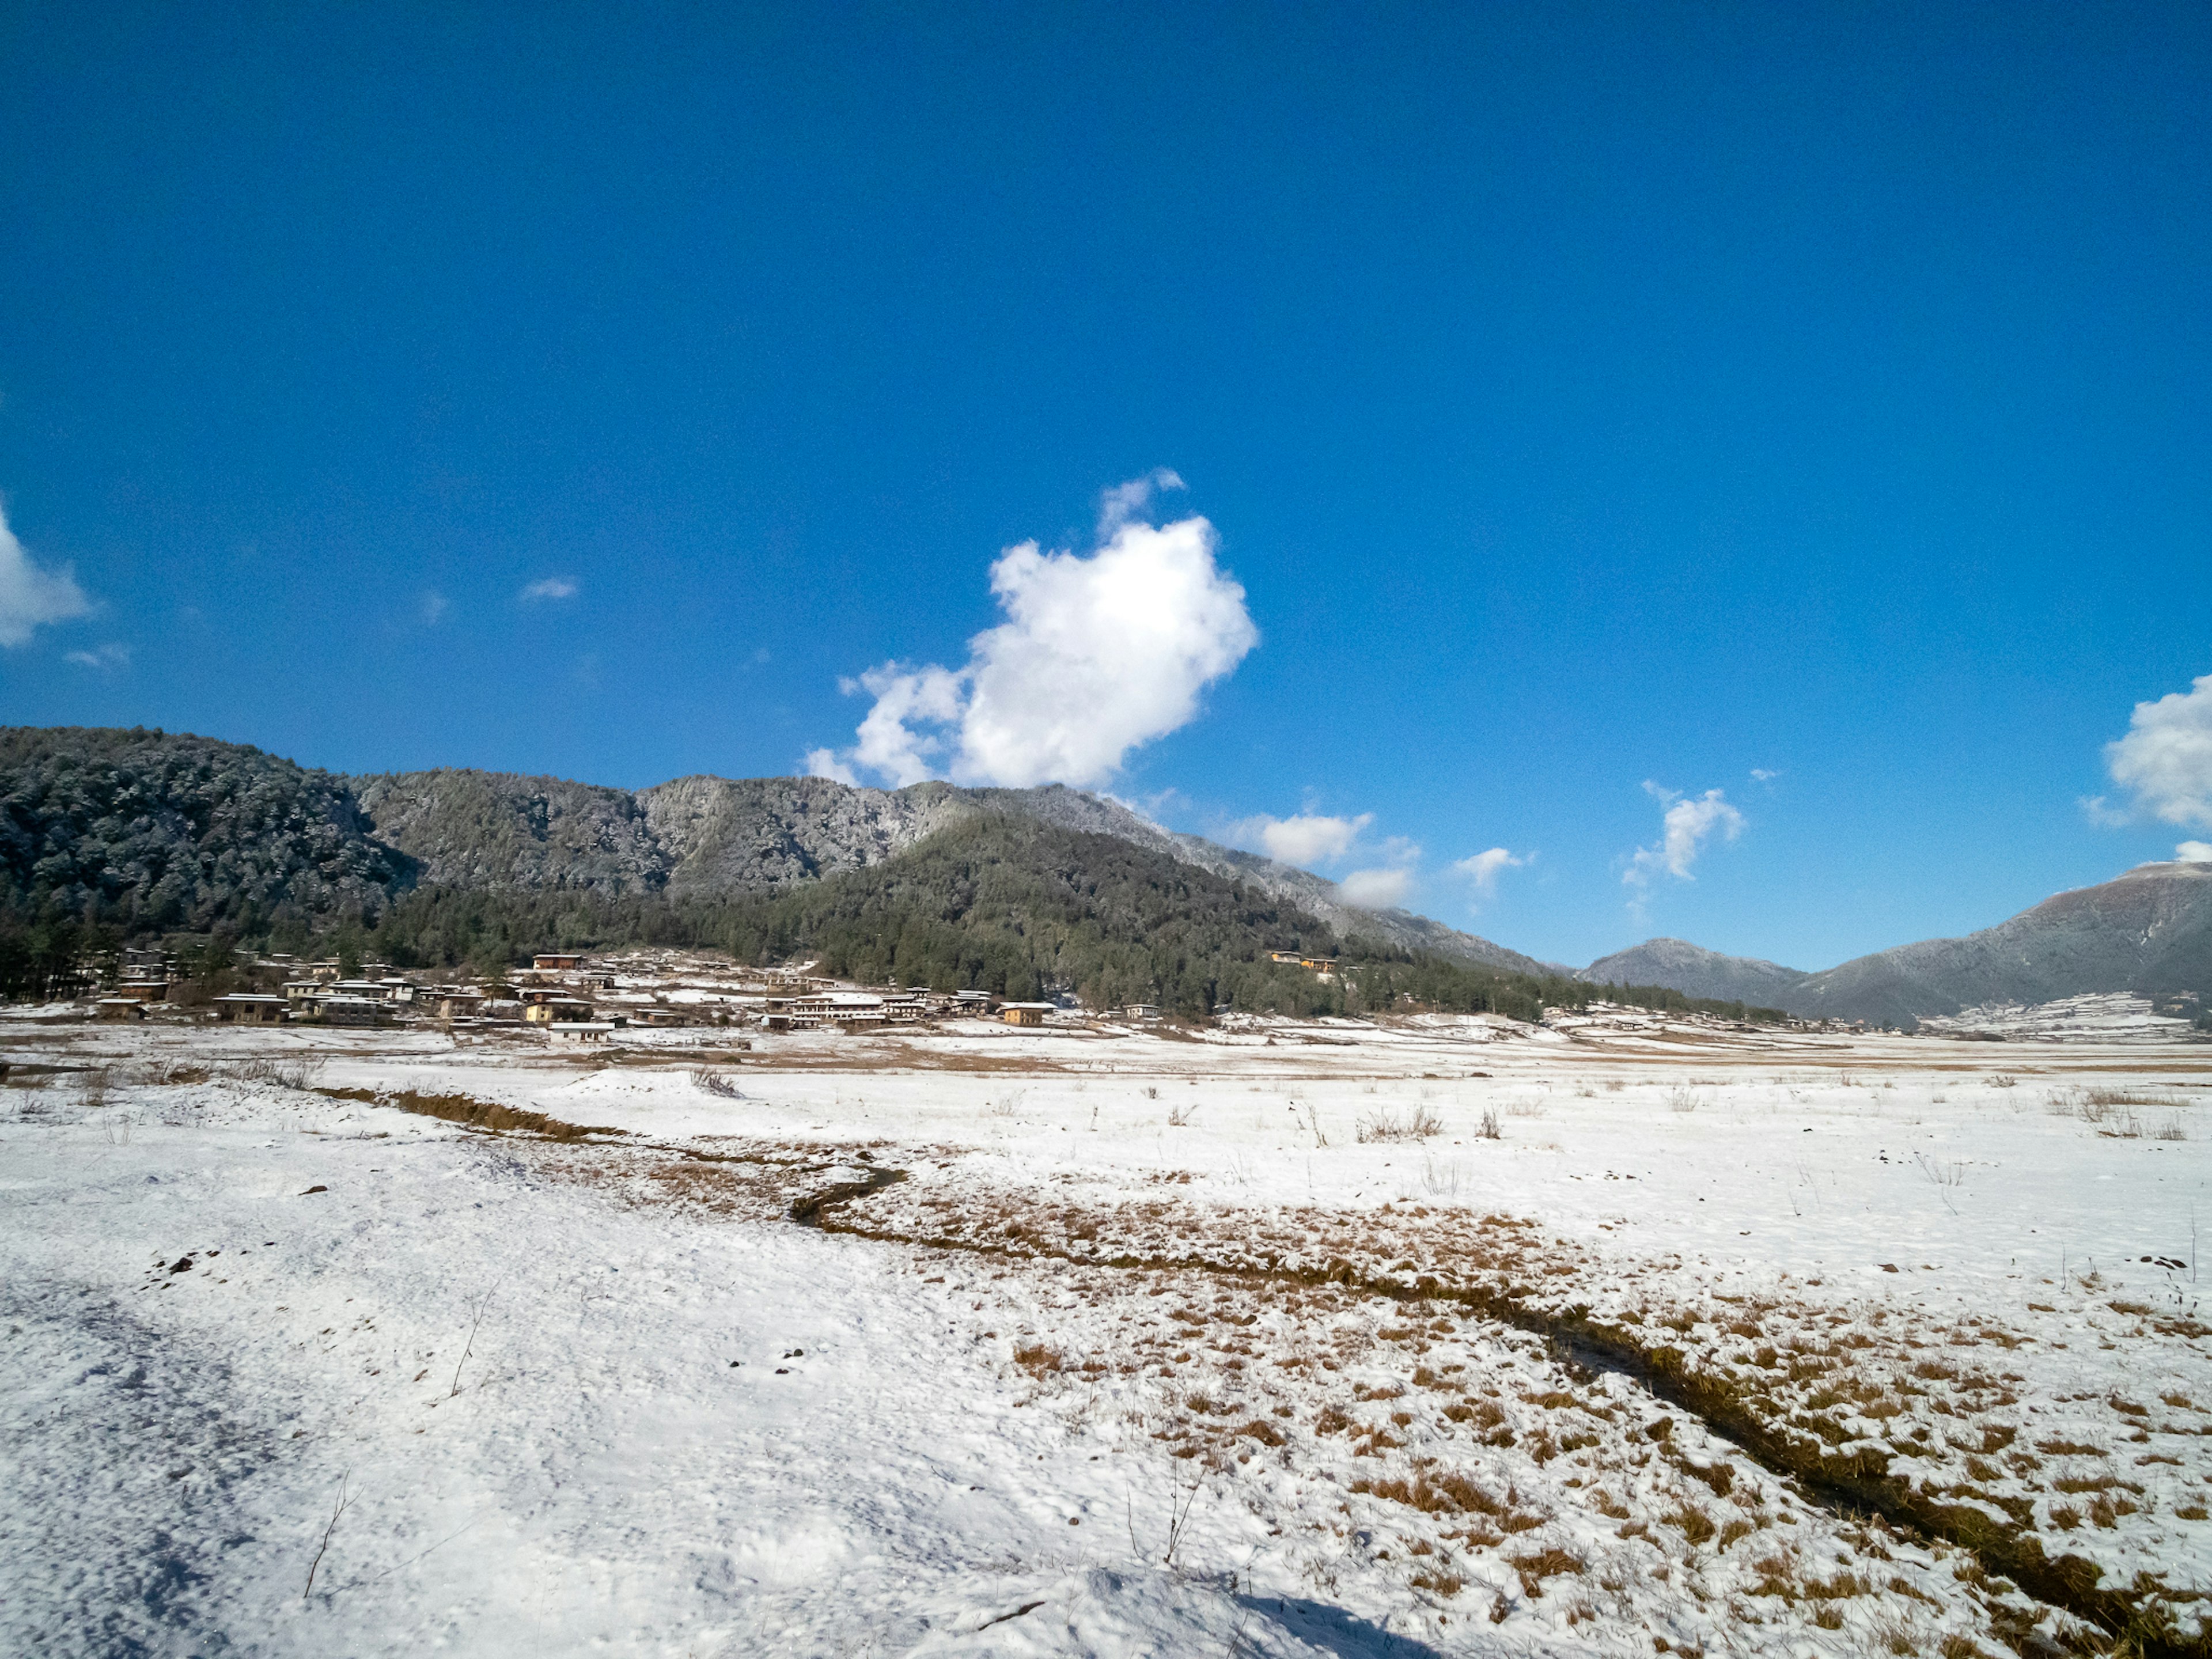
[{"x": 1283, "y": 1339}]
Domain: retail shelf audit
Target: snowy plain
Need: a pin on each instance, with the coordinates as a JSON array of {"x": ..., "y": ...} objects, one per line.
[{"x": 1158, "y": 1343}]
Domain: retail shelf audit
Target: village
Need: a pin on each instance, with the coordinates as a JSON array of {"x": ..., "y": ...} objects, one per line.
[{"x": 571, "y": 999}]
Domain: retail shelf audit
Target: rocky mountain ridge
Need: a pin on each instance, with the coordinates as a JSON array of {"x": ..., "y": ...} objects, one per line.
[{"x": 704, "y": 835}]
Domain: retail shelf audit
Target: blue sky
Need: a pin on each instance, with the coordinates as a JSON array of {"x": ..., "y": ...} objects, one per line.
[{"x": 1595, "y": 406}]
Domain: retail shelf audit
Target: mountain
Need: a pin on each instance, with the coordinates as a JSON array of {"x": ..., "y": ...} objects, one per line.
[
  {"x": 496, "y": 829},
  {"x": 703, "y": 836},
  {"x": 2149, "y": 930},
  {"x": 149, "y": 831},
  {"x": 1071, "y": 809},
  {"x": 153, "y": 830},
  {"x": 1018, "y": 905},
  {"x": 1698, "y": 972}
]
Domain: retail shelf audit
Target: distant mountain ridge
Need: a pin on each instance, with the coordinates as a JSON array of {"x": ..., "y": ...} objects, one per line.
[
  {"x": 1698, "y": 972},
  {"x": 2148, "y": 931}
]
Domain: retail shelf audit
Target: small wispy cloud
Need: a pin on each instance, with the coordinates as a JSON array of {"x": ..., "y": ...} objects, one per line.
[
  {"x": 1125, "y": 500},
  {"x": 432, "y": 606},
  {"x": 549, "y": 587},
  {"x": 1685, "y": 824},
  {"x": 1376, "y": 889},
  {"x": 104, "y": 658},
  {"x": 31, "y": 596},
  {"x": 827, "y": 763},
  {"x": 1386, "y": 886},
  {"x": 1303, "y": 838},
  {"x": 1483, "y": 870},
  {"x": 1762, "y": 775}
]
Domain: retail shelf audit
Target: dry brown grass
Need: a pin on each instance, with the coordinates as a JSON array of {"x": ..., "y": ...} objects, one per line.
[{"x": 1536, "y": 1565}]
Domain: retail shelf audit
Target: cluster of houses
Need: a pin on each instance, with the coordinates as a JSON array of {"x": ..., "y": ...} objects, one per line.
[{"x": 571, "y": 1000}]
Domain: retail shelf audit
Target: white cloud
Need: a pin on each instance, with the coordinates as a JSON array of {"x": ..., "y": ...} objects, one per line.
[
  {"x": 1762, "y": 775},
  {"x": 1124, "y": 501},
  {"x": 1686, "y": 823},
  {"x": 1375, "y": 890},
  {"x": 112, "y": 655},
  {"x": 432, "y": 606},
  {"x": 825, "y": 763},
  {"x": 2166, "y": 759},
  {"x": 1485, "y": 868},
  {"x": 2194, "y": 852},
  {"x": 31, "y": 598},
  {"x": 1098, "y": 653},
  {"x": 895, "y": 740},
  {"x": 1306, "y": 838},
  {"x": 550, "y": 588}
]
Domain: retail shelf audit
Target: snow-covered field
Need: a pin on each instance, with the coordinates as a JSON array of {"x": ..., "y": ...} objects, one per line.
[{"x": 1624, "y": 1337}]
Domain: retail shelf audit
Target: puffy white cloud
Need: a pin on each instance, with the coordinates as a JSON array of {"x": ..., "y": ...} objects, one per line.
[
  {"x": 549, "y": 587},
  {"x": 1306, "y": 838},
  {"x": 1375, "y": 890},
  {"x": 2194, "y": 852},
  {"x": 112, "y": 655},
  {"x": 1684, "y": 828},
  {"x": 1098, "y": 653},
  {"x": 31, "y": 598},
  {"x": 2166, "y": 759},
  {"x": 1485, "y": 868}
]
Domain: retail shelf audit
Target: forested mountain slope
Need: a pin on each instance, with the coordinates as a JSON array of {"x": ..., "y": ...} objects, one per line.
[
  {"x": 498, "y": 830},
  {"x": 145, "y": 831},
  {"x": 1028, "y": 908}
]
